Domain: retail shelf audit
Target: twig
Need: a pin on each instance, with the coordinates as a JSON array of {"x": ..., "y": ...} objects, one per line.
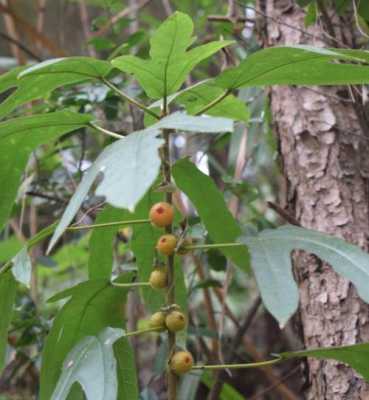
[
  {"x": 288, "y": 395},
  {"x": 124, "y": 13},
  {"x": 105, "y": 131},
  {"x": 356, "y": 14},
  {"x": 129, "y": 98},
  {"x": 208, "y": 304},
  {"x": 214, "y": 102},
  {"x": 260, "y": 364},
  {"x": 32, "y": 31},
  {"x": 85, "y": 20},
  {"x": 41, "y": 9},
  {"x": 10, "y": 26},
  {"x": 21, "y": 46},
  {"x": 285, "y": 392},
  {"x": 221, "y": 375},
  {"x": 46, "y": 197},
  {"x": 284, "y": 214},
  {"x": 106, "y": 224}
]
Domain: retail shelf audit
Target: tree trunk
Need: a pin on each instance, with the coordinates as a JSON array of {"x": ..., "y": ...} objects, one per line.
[{"x": 323, "y": 139}]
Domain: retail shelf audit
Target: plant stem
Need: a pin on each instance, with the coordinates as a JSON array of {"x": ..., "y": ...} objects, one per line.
[
  {"x": 130, "y": 285},
  {"x": 214, "y": 102},
  {"x": 260, "y": 364},
  {"x": 147, "y": 330},
  {"x": 130, "y": 99},
  {"x": 105, "y": 131},
  {"x": 105, "y": 224},
  {"x": 212, "y": 246},
  {"x": 50, "y": 229},
  {"x": 171, "y": 297}
]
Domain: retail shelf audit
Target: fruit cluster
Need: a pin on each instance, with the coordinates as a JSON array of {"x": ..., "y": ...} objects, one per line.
[{"x": 168, "y": 318}]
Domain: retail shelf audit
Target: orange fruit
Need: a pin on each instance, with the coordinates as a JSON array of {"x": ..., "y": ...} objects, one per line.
[
  {"x": 166, "y": 244},
  {"x": 161, "y": 214},
  {"x": 181, "y": 362}
]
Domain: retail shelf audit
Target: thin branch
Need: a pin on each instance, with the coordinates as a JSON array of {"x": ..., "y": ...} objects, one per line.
[
  {"x": 129, "y": 98},
  {"x": 260, "y": 364},
  {"x": 284, "y": 214},
  {"x": 32, "y": 31},
  {"x": 124, "y": 13},
  {"x": 221, "y": 375},
  {"x": 208, "y": 304},
  {"x": 105, "y": 131},
  {"x": 108, "y": 224},
  {"x": 356, "y": 14},
  {"x": 21, "y": 46},
  {"x": 214, "y": 102}
]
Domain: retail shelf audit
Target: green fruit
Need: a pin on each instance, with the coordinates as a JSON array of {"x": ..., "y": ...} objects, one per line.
[
  {"x": 175, "y": 321},
  {"x": 157, "y": 321},
  {"x": 159, "y": 278}
]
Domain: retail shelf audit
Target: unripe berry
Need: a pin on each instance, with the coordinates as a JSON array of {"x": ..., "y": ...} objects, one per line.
[
  {"x": 159, "y": 278},
  {"x": 175, "y": 321},
  {"x": 181, "y": 362},
  {"x": 166, "y": 244},
  {"x": 161, "y": 214},
  {"x": 157, "y": 320}
]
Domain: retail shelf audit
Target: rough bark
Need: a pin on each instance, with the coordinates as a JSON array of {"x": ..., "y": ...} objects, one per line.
[{"x": 324, "y": 153}]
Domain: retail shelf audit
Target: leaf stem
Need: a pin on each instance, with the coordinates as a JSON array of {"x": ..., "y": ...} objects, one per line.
[
  {"x": 105, "y": 131},
  {"x": 213, "y": 103},
  {"x": 212, "y": 246},
  {"x": 106, "y": 224},
  {"x": 129, "y": 98},
  {"x": 147, "y": 330},
  {"x": 130, "y": 285},
  {"x": 260, "y": 364}
]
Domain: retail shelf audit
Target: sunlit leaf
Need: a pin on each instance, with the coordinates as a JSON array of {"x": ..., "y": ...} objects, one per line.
[
  {"x": 39, "y": 80},
  {"x": 170, "y": 62}
]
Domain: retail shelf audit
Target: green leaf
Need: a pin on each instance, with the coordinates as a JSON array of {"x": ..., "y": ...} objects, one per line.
[
  {"x": 22, "y": 267},
  {"x": 18, "y": 138},
  {"x": 100, "y": 261},
  {"x": 227, "y": 393},
  {"x": 170, "y": 62},
  {"x": 9, "y": 79},
  {"x": 271, "y": 262},
  {"x": 126, "y": 370},
  {"x": 298, "y": 65},
  {"x": 130, "y": 166},
  {"x": 8, "y": 248},
  {"x": 356, "y": 356},
  {"x": 39, "y": 80},
  {"x": 212, "y": 209},
  {"x": 92, "y": 364},
  {"x": 7, "y": 289},
  {"x": 93, "y": 306},
  {"x": 195, "y": 98},
  {"x": 183, "y": 122}
]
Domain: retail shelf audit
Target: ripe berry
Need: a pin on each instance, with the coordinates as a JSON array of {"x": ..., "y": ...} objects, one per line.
[
  {"x": 159, "y": 278},
  {"x": 181, "y": 362},
  {"x": 166, "y": 244},
  {"x": 157, "y": 320},
  {"x": 161, "y": 214},
  {"x": 175, "y": 321}
]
